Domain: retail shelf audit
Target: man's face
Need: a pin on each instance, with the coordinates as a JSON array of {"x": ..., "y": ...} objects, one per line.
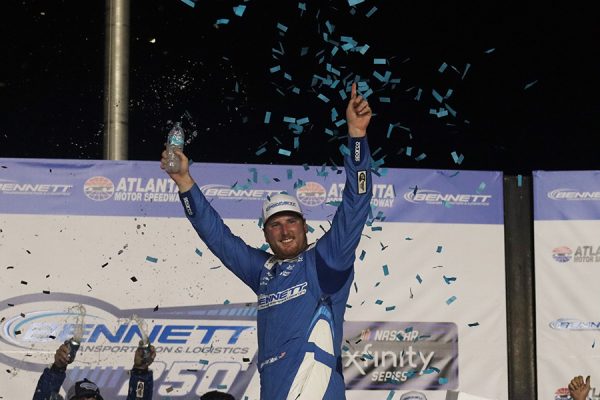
[{"x": 286, "y": 234}]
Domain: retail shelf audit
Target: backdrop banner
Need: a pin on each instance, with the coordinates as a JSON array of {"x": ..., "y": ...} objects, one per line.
[
  {"x": 567, "y": 268},
  {"x": 426, "y": 313}
]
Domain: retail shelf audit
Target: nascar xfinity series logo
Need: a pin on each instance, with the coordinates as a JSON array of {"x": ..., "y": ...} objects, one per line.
[
  {"x": 199, "y": 348},
  {"x": 582, "y": 254},
  {"x": 573, "y": 195},
  {"x": 417, "y": 355},
  {"x": 434, "y": 197}
]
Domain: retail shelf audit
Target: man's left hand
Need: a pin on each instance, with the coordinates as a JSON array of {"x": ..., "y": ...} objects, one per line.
[{"x": 358, "y": 114}]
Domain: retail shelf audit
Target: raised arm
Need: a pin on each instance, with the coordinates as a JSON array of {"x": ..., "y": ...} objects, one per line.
[
  {"x": 336, "y": 249},
  {"x": 52, "y": 378},
  {"x": 244, "y": 261}
]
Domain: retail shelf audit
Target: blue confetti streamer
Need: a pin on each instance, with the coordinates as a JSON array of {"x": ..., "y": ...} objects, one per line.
[
  {"x": 379, "y": 302},
  {"x": 530, "y": 84},
  {"x": 442, "y": 381},
  {"x": 191, "y": 3},
  {"x": 418, "y": 96},
  {"x": 362, "y": 255},
  {"x": 275, "y": 69},
  {"x": 222, "y": 21},
  {"x": 371, "y": 12},
  {"x": 450, "y": 109},
  {"x": 284, "y": 152},
  {"x": 439, "y": 249},
  {"x": 421, "y": 156},
  {"x": 379, "y": 61},
  {"x": 409, "y": 151},
  {"x": 151, "y": 259},
  {"x": 282, "y": 27},
  {"x": 419, "y": 279},
  {"x": 442, "y": 68},
  {"x": 465, "y": 72},
  {"x": 264, "y": 247},
  {"x": 451, "y": 300},
  {"x": 472, "y": 324},
  {"x": 449, "y": 279},
  {"x": 390, "y": 308},
  {"x": 260, "y": 151},
  {"x": 352, "y": 3},
  {"x": 203, "y": 362},
  {"x": 239, "y": 10},
  {"x": 386, "y": 272},
  {"x": 519, "y": 180},
  {"x": 199, "y": 252},
  {"x": 323, "y": 98},
  {"x": 254, "y": 174},
  {"x": 437, "y": 96},
  {"x": 267, "y": 117},
  {"x": 290, "y": 174},
  {"x": 289, "y": 119},
  {"x": 344, "y": 149},
  {"x": 489, "y": 51}
]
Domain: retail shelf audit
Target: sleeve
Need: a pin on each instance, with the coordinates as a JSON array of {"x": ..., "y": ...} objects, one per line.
[
  {"x": 336, "y": 249},
  {"x": 49, "y": 383},
  {"x": 141, "y": 385},
  {"x": 244, "y": 261}
]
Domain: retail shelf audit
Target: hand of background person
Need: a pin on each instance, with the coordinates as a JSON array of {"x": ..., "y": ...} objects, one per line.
[
  {"x": 61, "y": 357},
  {"x": 138, "y": 359},
  {"x": 182, "y": 178},
  {"x": 358, "y": 114},
  {"x": 578, "y": 389}
]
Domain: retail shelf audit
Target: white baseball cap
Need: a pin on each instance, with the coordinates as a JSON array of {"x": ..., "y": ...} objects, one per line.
[{"x": 279, "y": 203}]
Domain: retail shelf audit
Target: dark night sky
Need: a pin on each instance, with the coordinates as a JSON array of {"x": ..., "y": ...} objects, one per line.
[{"x": 52, "y": 80}]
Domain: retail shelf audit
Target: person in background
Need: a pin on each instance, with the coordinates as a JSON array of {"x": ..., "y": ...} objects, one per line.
[
  {"x": 216, "y": 395},
  {"x": 578, "y": 389},
  {"x": 48, "y": 386}
]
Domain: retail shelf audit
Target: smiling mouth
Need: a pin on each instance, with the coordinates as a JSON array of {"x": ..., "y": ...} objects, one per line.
[{"x": 285, "y": 241}]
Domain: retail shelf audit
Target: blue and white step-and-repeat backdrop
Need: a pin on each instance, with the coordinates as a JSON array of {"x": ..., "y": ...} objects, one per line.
[
  {"x": 567, "y": 272},
  {"x": 426, "y": 313}
]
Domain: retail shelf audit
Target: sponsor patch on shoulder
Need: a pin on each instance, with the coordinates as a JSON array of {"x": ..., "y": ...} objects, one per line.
[{"x": 361, "y": 178}]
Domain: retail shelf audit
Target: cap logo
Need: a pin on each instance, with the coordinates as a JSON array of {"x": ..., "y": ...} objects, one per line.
[
  {"x": 88, "y": 386},
  {"x": 281, "y": 203}
]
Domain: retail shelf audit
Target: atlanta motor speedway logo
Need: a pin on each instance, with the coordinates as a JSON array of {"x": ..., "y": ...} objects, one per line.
[{"x": 198, "y": 348}]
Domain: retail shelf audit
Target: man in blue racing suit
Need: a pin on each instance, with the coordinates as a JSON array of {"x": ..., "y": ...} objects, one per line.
[{"x": 302, "y": 289}]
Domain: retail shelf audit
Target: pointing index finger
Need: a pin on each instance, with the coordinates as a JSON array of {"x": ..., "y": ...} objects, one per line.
[{"x": 353, "y": 92}]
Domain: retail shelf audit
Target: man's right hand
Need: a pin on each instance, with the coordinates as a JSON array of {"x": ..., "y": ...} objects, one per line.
[
  {"x": 182, "y": 178},
  {"x": 578, "y": 389},
  {"x": 61, "y": 357}
]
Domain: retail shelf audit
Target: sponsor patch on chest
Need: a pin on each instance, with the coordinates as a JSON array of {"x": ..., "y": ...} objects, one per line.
[{"x": 273, "y": 299}]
